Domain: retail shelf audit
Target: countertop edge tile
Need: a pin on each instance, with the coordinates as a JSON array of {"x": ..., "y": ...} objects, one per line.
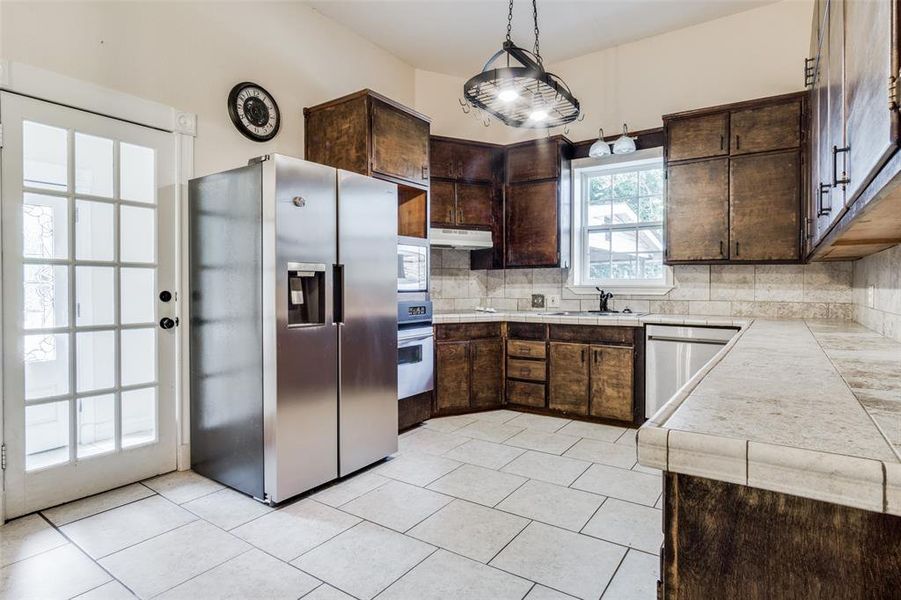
[
  {"x": 892, "y": 488},
  {"x": 835, "y": 478},
  {"x": 652, "y": 447},
  {"x": 710, "y": 456}
]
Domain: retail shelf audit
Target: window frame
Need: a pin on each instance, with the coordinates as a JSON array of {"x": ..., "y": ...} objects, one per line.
[{"x": 582, "y": 170}]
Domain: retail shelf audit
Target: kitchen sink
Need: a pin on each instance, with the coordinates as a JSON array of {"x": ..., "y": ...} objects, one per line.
[{"x": 593, "y": 313}]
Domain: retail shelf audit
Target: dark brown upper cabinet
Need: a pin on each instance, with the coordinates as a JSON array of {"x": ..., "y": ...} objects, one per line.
[
  {"x": 766, "y": 128},
  {"x": 740, "y": 200},
  {"x": 443, "y": 203},
  {"x": 536, "y": 207},
  {"x": 368, "y": 133},
  {"x": 532, "y": 231},
  {"x": 854, "y": 131},
  {"x": 763, "y": 204},
  {"x": 474, "y": 204},
  {"x": 697, "y": 210},
  {"x": 453, "y": 158},
  {"x": 701, "y": 136}
]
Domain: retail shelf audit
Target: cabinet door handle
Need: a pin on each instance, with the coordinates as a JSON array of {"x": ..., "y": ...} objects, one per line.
[
  {"x": 736, "y": 250},
  {"x": 822, "y": 209},
  {"x": 737, "y": 142},
  {"x": 722, "y": 142},
  {"x": 835, "y": 180},
  {"x": 722, "y": 249},
  {"x": 583, "y": 355}
]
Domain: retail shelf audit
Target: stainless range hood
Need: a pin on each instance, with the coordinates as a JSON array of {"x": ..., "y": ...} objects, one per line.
[{"x": 461, "y": 239}]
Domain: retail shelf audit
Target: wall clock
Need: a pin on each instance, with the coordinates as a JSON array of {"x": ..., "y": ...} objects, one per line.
[{"x": 253, "y": 111}]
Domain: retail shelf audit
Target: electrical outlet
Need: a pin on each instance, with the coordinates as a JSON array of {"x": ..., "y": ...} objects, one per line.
[
  {"x": 871, "y": 295},
  {"x": 553, "y": 301},
  {"x": 537, "y": 300}
]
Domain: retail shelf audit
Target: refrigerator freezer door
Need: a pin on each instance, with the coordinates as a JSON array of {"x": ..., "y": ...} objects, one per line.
[
  {"x": 227, "y": 328},
  {"x": 300, "y": 362},
  {"x": 367, "y": 247}
]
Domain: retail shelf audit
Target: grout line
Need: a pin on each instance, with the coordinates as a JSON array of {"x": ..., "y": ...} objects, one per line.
[
  {"x": 437, "y": 548},
  {"x": 615, "y": 571},
  {"x": 90, "y": 558},
  {"x": 104, "y": 511}
]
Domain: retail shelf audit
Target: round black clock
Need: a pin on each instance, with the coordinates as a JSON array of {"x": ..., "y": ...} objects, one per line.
[{"x": 253, "y": 111}]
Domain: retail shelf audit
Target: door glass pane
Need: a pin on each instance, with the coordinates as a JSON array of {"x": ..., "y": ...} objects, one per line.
[
  {"x": 45, "y": 226},
  {"x": 96, "y": 425},
  {"x": 94, "y": 230},
  {"x": 94, "y": 288},
  {"x": 137, "y": 293},
  {"x": 44, "y": 156},
  {"x": 138, "y": 417},
  {"x": 93, "y": 165},
  {"x": 138, "y": 234},
  {"x": 46, "y": 296},
  {"x": 46, "y": 365},
  {"x": 46, "y": 434},
  {"x": 136, "y": 173},
  {"x": 138, "y": 356},
  {"x": 95, "y": 359}
]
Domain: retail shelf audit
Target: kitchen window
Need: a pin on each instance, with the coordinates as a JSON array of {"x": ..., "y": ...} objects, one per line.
[{"x": 618, "y": 223}]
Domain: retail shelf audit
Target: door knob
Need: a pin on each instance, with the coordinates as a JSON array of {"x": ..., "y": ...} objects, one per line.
[
  {"x": 167, "y": 323},
  {"x": 165, "y": 296}
]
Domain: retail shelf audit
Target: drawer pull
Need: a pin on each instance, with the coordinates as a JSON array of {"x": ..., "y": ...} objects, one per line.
[{"x": 523, "y": 372}]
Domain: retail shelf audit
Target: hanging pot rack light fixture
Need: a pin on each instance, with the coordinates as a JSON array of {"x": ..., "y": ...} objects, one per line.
[{"x": 524, "y": 95}]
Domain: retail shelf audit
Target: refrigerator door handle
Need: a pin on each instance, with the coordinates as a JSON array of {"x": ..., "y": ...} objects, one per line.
[{"x": 338, "y": 294}]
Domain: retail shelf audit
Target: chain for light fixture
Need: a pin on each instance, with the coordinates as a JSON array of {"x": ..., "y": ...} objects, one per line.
[{"x": 523, "y": 96}]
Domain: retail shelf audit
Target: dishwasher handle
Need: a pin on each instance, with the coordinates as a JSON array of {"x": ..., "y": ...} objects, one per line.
[{"x": 663, "y": 338}]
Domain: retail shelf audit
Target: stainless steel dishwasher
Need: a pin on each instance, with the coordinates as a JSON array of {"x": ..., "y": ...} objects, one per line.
[{"x": 674, "y": 355}]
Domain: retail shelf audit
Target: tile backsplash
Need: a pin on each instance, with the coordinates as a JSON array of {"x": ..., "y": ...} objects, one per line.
[
  {"x": 814, "y": 291},
  {"x": 877, "y": 292}
]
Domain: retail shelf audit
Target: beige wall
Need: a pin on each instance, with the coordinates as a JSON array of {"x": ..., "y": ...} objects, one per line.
[
  {"x": 743, "y": 56},
  {"x": 190, "y": 54}
]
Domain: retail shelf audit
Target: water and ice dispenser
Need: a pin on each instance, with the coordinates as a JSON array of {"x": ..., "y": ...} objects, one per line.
[{"x": 306, "y": 294}]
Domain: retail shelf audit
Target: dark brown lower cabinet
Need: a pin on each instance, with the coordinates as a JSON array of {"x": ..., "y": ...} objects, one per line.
[
  {"x": 724, "y": 540},
  {"x": 487, "y": 373},
  {"x": 452, "y": 370},
  {"x": 612, "y": 392},
  {"x": 569, "y": 376},
  {"x": 525, "y": 393}
]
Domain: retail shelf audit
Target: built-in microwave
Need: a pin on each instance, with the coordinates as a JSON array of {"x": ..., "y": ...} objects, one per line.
[{"x": 412, "y": 265}]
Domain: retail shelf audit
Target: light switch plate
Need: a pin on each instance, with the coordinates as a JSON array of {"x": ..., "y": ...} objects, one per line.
[
  {"x": 553, "y": 301},
  {"x": 537, "y": 300}
]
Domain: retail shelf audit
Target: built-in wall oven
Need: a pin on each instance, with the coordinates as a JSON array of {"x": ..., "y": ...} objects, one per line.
[
  {"x": 412, "y": 266},
  {"x": 415, "y": 348}
]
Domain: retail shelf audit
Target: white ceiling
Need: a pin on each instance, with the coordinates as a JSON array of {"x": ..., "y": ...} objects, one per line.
[{"x": 457, "y": 37}]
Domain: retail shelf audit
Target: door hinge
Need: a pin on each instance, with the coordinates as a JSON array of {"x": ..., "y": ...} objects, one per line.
[
  {"x": 893, "y": 99},
  {"x": 810, "y": 71},
  {"x": 1, "y": 135},
  {"x": 3, "y": 457}
]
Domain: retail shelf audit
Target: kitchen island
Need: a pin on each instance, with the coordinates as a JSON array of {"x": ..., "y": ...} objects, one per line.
[{"x": 781, "y": 467}]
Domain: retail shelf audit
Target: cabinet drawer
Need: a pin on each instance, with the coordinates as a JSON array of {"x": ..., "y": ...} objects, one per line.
[
  {"x": 526, "y": 331},
  {"x": 466, "y": 331},
  {"x": 587, "y": 334},
  {"x": 526, "y": 369},
  {"x": 527, "y": 394},
  {"x": 526, "y": 349}
]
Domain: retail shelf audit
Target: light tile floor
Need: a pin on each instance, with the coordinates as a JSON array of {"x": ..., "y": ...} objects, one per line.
[{"x": 490, "y": 506}]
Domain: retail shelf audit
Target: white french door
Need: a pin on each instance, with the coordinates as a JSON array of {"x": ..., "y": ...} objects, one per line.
[{"x": 88, "y": 221}]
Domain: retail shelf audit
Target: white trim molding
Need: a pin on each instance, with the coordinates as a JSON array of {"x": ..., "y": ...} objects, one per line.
[{"x": 84, "y": 95}]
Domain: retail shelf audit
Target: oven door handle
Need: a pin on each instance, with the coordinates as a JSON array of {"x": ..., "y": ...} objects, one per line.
[{"x": 414, "y": 337}]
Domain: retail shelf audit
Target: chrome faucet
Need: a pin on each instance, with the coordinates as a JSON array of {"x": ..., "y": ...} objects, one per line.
[{"x": 603, "y": 299}]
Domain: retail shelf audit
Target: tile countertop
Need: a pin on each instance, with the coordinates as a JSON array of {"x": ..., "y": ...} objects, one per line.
[
  {"x": 782, "y": 408},
  {"x": 808, "y": 408}
]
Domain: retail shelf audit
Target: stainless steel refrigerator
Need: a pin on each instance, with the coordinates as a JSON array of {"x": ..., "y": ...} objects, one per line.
[{"x": 293, "y": 325}]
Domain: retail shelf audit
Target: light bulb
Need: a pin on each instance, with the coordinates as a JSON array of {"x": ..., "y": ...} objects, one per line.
[
  {"x": 507, "y": 95},
  {"x": 538, "y": 115}
]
